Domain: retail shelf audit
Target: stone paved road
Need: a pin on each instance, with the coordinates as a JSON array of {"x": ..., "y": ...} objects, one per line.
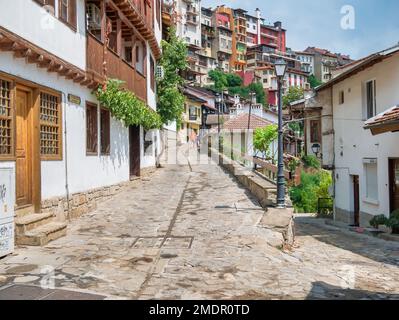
[{"x": 191, "y": 232}]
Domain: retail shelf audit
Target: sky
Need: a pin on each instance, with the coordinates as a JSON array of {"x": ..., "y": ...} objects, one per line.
[{"x": 317, "y": 23}]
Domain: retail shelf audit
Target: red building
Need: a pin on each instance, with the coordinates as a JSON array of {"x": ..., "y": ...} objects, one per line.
[{"x": 273, "y": 36}]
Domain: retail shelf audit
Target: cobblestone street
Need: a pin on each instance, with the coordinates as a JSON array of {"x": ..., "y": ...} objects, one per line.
[{"x": 191, "y": 232}]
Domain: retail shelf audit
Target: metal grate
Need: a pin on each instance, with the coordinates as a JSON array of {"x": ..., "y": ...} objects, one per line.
[{"x": 5, "y": 118}]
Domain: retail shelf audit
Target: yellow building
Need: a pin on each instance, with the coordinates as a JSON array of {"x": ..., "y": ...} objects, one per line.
[{"x": 192, "y": 117}]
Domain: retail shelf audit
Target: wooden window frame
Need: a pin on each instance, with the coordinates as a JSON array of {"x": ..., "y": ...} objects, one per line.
[
  {"x": 318, "y": 131},
  {"x": 70, "y": 21},
  {"x": 90, "y": 152},
  {"x": 107, "y": 133},
  {"x": 59, "y": 156},
  {"x": 11, "y": 156}
]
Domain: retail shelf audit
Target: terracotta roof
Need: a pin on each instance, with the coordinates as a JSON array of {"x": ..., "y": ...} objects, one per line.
[
  {"x": 385, "y": 117},
  {"x": 241, "y": 122}
]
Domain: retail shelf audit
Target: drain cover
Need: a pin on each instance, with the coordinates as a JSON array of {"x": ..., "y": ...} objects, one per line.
[{"x": 172, "y": 242}]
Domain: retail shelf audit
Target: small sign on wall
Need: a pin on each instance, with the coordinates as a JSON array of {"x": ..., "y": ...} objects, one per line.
[{"x": 74, "y": 99}]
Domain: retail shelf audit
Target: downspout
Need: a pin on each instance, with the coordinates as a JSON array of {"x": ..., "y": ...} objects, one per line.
[
  {"x": 66, "y": 156},
  {"x": 333, "y": 164}
]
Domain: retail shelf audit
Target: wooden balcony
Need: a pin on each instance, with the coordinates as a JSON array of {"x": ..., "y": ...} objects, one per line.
[{"x": 117, "y": 68}]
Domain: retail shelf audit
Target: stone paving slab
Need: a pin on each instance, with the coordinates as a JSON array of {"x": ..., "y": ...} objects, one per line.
[
  {"x": 28, "y": 292},
  {"x": 230, "y": 255}
]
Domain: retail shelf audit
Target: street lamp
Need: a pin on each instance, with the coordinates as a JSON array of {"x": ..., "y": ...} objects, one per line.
[
  {"x": 218, "y": 100},
  {"x": 280, "y": 67},
  {"x": 316, "y": 149}
]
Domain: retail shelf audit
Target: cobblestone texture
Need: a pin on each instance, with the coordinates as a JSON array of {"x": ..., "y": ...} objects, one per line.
[{"x": 191, "y": 232}]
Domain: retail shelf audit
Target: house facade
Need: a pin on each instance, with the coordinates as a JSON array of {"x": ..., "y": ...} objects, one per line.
[
  {"x": 64, "y": 148},
  {"x": 365, "y": 165}
]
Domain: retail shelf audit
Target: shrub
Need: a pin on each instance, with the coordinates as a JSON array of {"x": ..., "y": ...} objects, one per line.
[
  {"x": 393, "y": 222},
  {"x": 378, "y": 221},
  {"x": 311, "y": 161},
  {"x": 313, "y": 186},
  {"x": 264, "y": 137}
]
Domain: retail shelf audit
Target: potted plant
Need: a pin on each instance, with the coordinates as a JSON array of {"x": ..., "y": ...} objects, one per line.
[
  {"x": 393, "y": 222},
  {"x": 378, "y": 221}
]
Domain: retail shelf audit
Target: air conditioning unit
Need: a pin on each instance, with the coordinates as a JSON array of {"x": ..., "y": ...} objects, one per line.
[{"x": 93, "y": 16}]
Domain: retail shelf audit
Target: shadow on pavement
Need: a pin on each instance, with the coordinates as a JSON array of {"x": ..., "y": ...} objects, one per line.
[
  {"x": 366, "y": 246},
  {"x": 324, "y": 291}
]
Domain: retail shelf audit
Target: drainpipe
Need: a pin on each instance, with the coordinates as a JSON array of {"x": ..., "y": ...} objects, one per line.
[
  {"x": 333, "y": 164},
  {"x": 64, "y": 105}
]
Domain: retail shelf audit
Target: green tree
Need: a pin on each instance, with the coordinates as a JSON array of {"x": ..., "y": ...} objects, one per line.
[
  {"x": 259, "y": 91},
  {"x": 293, "y": 94},
  {"x": 314, "y": 185},
  {"x": 233, "y": 80},
  {"x": 313, "y": 81},
  {"x": 219, "y": 79},
  {"x": 264, "y": 137},
  {"x": 170, "y": 104}
]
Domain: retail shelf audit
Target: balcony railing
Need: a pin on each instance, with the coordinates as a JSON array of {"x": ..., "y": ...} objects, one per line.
[{"x": 116, "y": 68}]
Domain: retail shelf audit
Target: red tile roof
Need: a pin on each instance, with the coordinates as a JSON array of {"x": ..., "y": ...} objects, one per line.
[
  {"x": 385, "y": 117},
  {"x": 241, "y": 122}
]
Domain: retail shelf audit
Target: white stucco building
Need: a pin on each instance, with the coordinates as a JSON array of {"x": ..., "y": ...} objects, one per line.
[
  {"x": 59, "y": 141},
  {"x": 366, "y": 166}
]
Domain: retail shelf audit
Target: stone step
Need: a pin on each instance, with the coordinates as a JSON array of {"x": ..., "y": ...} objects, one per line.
[
  {"x": 31, "y": 221},
  {"x": 24, "y": 210},
  {"x": 42, "y": 235}
]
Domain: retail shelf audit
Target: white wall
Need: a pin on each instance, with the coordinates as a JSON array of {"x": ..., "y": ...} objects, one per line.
[
  {"x": 355, "y": 143},
  {"x": 30, "y": 21},
  {"x": 84, "y": 172}
]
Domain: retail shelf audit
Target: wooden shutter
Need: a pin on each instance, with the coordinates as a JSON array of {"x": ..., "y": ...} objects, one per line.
[
  {"x": 91, "y": 129},
  {"x": 72, "y": 13},
  {"x": 105, "y": 131}
]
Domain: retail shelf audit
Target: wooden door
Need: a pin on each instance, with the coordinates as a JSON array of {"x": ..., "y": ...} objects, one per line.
[
  {"x": 22, "y": 150},
  {"x": 134, "y": 153},
  {"x": 394, "y": 184},
  {"x": 356, "y": 197}
]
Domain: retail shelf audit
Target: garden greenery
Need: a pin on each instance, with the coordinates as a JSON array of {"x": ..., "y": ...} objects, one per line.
[
  {"x": 314, "y": 185},
  {"x": 126, "y": 107},
  {"x": 264, "y": 137}
]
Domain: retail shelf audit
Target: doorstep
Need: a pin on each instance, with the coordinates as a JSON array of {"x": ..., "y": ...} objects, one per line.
[{"x": 375, "y": 233}]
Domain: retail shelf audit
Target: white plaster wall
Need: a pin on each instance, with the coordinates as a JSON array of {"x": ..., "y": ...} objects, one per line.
[
  {"x": 30, "y": 21},
  {"x": 84, "y": 172},
  {"x": 357, "y": 143}
]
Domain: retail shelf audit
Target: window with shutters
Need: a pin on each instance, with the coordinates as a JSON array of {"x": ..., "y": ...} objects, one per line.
[
  {"x": 105, "y": 131},
  {"x": 67, "y": 12},
  {"x": 50, "y": 127},
  {"x": 91, "y": 129},
  {"x": 6, "y": 119}
]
